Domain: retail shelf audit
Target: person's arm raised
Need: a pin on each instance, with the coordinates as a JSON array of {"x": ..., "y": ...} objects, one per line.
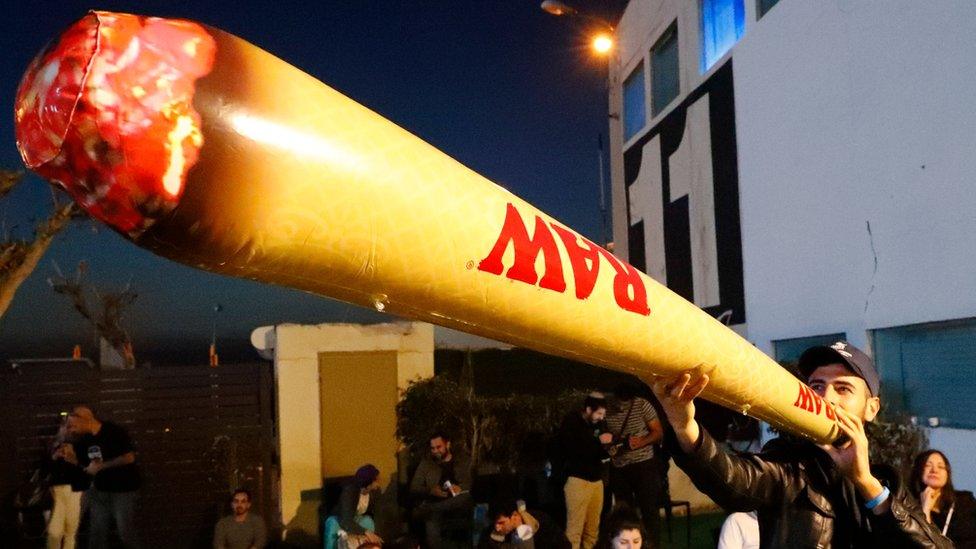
[{"x": 677, "y": 397}]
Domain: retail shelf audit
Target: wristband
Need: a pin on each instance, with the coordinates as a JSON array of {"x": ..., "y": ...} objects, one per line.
[{"x": 879, "y": 499}]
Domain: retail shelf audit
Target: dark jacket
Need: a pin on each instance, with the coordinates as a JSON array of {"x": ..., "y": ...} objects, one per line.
[
  {"x": 582, "y": 453},
  {"x": 962, "y": 525},
  {"x": 801, "y": 498},
  {"x": 345, "y": 508},
  {"x": 429, "y": 474}
]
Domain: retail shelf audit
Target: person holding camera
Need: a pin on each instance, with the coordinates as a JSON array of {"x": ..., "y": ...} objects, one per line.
[
  {"x": 635, "y": 477},
  {"x": 582, "y": 436}
]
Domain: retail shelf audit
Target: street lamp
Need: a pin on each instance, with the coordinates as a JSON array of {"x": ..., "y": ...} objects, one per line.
[
  {"x": 602, "y": 44},
  {"x": 602, "y": 41}
]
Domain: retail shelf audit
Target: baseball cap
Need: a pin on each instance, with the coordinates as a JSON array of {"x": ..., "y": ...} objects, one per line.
[{"x": 844, "y": 353}]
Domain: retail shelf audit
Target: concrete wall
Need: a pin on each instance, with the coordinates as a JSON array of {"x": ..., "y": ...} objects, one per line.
[{"x": 296, "y": 350}]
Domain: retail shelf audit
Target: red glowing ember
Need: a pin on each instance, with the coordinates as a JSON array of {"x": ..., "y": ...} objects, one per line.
[{"x": 106, "y": 112}]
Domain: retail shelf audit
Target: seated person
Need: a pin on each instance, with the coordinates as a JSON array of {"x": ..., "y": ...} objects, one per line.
[
  {"x": 243, "y": 529},
  {"x": 511, "y": 524},
  {"x": 740, "y": 531},
  {"x": 350, "y": 525},
  {"x": 442, "y": 485},
  {"x": 623, "y": 530}
]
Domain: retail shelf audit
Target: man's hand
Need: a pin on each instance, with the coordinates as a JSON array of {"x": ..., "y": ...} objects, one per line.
[
  {"x": 438, "y": 492},
  {"x": 852, "y": 459},
  {"x": 606, "y": 438},
  {"x": 677, "y": 396},
  {"x": 94, "y": 467},
  {"x": 371, "y": 537},
  {"x": 455, "y": 489}
]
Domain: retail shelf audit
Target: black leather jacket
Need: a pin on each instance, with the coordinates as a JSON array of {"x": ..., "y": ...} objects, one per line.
[{"x": 801, "y": 499}]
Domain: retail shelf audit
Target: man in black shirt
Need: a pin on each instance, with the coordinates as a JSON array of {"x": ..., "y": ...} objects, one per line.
[
  {"x": 582, "y": 436},
  {"x": 106, "y": 453}
]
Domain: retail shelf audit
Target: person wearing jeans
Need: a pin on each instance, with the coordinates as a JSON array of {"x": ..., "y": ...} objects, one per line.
[{"x": 108, "y": 456}]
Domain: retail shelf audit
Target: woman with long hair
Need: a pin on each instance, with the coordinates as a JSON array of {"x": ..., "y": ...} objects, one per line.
[{"x": 953, "y": 512}]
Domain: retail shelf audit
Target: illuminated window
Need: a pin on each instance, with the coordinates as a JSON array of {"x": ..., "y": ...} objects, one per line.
[
  {"x": 762, "y": 6},
  {"x": 664, "y": 71},
  {"x": 634, "y": 109},
  {"x": 722, "y": 24}
]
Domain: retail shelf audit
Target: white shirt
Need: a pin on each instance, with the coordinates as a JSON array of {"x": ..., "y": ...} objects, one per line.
[{"x": 740, "y": 531}]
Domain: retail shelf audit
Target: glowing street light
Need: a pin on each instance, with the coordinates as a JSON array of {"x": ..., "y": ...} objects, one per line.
[{"x": 602, "y": 43}]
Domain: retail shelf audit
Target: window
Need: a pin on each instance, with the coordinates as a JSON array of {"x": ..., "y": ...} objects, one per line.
[
  {"x": 664, "y": 71},
  {"x": 929, "y": 371},
  {"x": 722, "y": 24},
  {"x": 788, "y": 351},
  {"x": 634, "y": 110},
  {"x": 762, "y": 6}
]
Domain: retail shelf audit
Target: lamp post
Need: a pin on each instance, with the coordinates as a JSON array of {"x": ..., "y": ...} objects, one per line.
[{"x": 602, "y": 44}]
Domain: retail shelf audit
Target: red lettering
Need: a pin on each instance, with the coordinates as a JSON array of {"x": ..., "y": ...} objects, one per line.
[
  {"x": 804, "y": 400},
  {"x": 526, "y": 252},
  {"x": 628, "y": 288},
  {"x": 584, "y": 257},
  {"x": 829, "y": 412}
]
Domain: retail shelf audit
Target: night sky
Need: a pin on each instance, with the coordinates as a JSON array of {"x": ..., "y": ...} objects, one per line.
[{"x": 501, "y": 86}]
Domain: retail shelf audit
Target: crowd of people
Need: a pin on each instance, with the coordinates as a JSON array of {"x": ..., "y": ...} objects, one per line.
[
  {"x": 610, "y": 465},
  {"x": 92, "y": 471}
]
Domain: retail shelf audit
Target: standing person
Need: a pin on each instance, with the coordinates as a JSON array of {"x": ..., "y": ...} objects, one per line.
[
  {"x": 635, "y": 475},
  {"x": 106, "y": 453},
  {"x": 806, "y": 495},
  {"x": 242, "y": 529},
  {"x": 952, "y": 511},
  {"x": 67, "y": 481},
  {"x": 351, "y": 523},
  {"x": 442, "y": 483},
  {"x": 581, "y": 437}
]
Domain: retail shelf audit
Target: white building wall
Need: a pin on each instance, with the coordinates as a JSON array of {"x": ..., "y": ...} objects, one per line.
[
  {"x": 856, "y": 141},
  {"x": 850, "y": 114}
]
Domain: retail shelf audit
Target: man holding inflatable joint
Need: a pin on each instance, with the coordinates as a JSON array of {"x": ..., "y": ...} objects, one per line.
[{"x": 806, "y": 494}]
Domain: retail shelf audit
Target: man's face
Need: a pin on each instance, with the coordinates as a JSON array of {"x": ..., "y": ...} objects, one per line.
[
  {"x": 506, "y": 523},
  {"x": 595, "y": 416},
  {"x": 241, "y": 504},
  {"x": 79, "y": 421},
  {"x": 440, "y": 449},
  {"x": 839, "y": 386}
]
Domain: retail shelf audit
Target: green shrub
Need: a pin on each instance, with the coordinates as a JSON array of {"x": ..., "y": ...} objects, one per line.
[{"x": 495, "y": 430}]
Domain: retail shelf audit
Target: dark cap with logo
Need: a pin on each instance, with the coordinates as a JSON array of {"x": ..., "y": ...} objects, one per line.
[{"x": 843, "y": 353}]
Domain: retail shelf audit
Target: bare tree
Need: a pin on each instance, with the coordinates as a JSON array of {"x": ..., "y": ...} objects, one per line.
[
  {"x": 106, "y": 316},
  {"x": 19, "y": 258}
]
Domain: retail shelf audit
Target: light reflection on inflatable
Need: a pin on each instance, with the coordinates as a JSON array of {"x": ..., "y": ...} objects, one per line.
[{"x": 209, "y": 151}]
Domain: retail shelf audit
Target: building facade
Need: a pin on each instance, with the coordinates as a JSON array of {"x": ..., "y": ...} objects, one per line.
[{"x": 804, "y": 170}]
